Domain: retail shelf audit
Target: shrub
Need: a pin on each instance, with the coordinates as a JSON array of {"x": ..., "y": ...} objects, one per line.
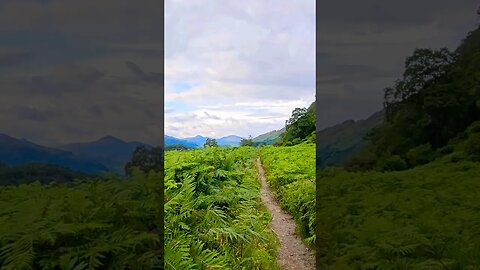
[
  {"x": 363, "y": 162},
  {"x": 474, "y": 128},
  {"x": 392, "y": 163},
  {"x": 420, "y": 155},
  {"x": 448, "y": 149},
  {"x": 472, "y": 147}
]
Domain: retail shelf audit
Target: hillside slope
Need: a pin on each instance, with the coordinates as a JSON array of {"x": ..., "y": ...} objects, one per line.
[
  {"x": 269, "y": 137},
  {"x": 338, "y": 143}
]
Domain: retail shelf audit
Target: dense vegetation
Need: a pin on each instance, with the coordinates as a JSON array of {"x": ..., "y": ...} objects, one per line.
[
  {"x": 43, "y": 173},
  {"x": 423, "y": 218},
  {"x": 290, "y": 171},
  {"x": 214, "y": 218},
  {"x": 410, "y": 200},
  {"x": 437, "y": 98},
  {"x": 107, "y": 224},
  {"x": 299, "y": 128},
  {"x": 179, "y": 147}
]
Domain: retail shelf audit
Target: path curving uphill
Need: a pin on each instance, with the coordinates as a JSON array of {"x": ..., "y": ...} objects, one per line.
[{"x": 293, "y": 253}]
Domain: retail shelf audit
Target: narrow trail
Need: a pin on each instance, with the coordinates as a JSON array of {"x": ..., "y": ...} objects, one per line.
[{"x": 293, "y": 253}]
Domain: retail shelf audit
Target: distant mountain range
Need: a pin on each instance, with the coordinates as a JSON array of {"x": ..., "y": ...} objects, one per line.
[
  {"x": 106, "y": 154},
  {"x": 19, "y": 151},
  {"x": 198, "y": 141},
  {"x": 334, "y": 145},
  {"x": 232, "y": 140},
  {"x": 169, "y": 140}
]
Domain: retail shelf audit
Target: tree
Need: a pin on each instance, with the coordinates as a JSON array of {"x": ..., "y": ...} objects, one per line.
[
  {"x": 300, "y": 126},
  {"x": 210, "y": 143},
  {"x": 422, "y": 69},
  {"x": 247, "y": 142},
  {"x": 145, "y": 160}
]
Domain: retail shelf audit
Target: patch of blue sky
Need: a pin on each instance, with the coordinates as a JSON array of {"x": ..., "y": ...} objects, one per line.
[
  {"x": 178, "y": 106},
  {"x": 181, "y": 86}
]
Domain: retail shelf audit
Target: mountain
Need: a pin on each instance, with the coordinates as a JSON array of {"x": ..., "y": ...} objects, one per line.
[
  {"x": 111, "y": 151},
  {"x": 169, "y": 140},
  {"x": 231, "y": 140},
  {"x": 269, "y": 137},
  {"x": 338, "y": 143},
  {"x": 198, "y": 140},
  {"x": 15, "y": 151}
]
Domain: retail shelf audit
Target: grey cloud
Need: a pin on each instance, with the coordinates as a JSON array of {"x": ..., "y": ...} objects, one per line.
[
  {"x": 66, "y": 79},
  {"x": 152, "y": 77},
  {"x": 11, "y": 57},
  {"x": 390, "y": 15},
  {"x": 96, "y": 110},
  {"x": 33, "y": 114},
  {"x": 212, "y": 116},
  {"x": 351, "y": 73},
  {"x": 68, "y": 71}
]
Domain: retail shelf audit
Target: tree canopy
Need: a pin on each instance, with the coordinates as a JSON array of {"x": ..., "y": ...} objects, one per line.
[{"x": 436, "y": 99}]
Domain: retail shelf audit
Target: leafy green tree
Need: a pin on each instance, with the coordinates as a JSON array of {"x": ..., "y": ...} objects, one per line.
[
  {"x": 299, "y": 127},
  {"x": 247, "y": 142},
  {"x": 210, "y": 143},
  {"x": 145, "y": 160}
]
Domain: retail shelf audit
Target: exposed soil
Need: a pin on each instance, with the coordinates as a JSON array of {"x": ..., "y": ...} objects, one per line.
[{"x": 293, "y": 253}]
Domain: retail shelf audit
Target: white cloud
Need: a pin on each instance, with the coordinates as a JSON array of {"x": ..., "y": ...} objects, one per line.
[{"x": 250, "y": 64}]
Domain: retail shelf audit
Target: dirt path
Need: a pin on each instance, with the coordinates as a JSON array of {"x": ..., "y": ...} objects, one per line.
[{"x": 293, "y": 253}]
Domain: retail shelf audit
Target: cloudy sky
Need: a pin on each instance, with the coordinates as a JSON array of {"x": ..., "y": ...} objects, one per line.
[
  {"x": 363, "y": 45},
  {"x": 237, "y": 67},
  {"x": 75, "y": 71}
]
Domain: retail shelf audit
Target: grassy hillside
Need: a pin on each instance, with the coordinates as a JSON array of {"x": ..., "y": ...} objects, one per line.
[
  {"x": 269, "y": 137},
  {"x": 423, "y": 218}
]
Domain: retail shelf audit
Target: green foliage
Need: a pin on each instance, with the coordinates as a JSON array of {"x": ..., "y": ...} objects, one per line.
[
  {"x": 420, "y": 155},
  {"x": 436, "y": 99},
  {"x": 299, "y": 127},
  {"x": 178, "y": 147},
  {"x": 392, "y": 163},
  {"x": 290, "y": 171},
  {"x": 145, "y": 160},
  {"x": 44, "y": 173},
  {"x": 363, "y": 161},
  {"x": 213, "y": 216},
  {"x": 210, "y": 143},
  {"x": 247, "y": 142},
  {"x": 422, "y": 218},
  {"x": 472, "y": 147},
  {"x": 107, "y": 224}
]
